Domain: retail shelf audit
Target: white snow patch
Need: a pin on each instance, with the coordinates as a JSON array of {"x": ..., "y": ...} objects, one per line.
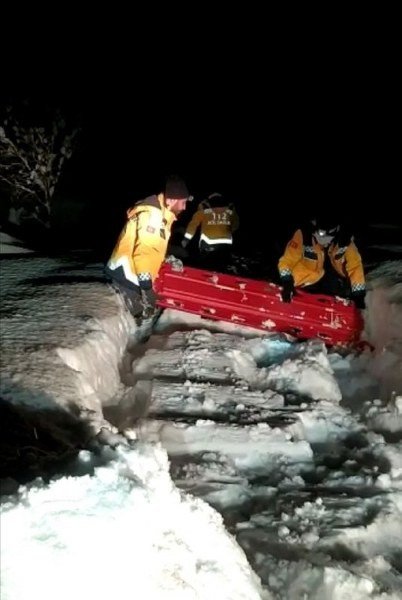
[
  {"x": 11, "y": 245},
  {"x": 308, "y": 373},
  {"x": 61, "y": 344},
  {"x": 125, "y": 532}
]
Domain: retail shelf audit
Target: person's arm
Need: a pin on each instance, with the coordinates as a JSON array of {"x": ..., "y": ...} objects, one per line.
[
  {"x": 234, "y": 219},
  {"x": 292, "y": 255},
  {"x": 147, "y": 255},
  {"x": 355, "y": 271},
  {"x": 192, "y": 227}
]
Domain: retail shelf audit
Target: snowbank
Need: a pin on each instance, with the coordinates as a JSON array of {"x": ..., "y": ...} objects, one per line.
[
  {"x": 124, "y": 531},
  {"x": 10, "y": 245},
  {"x": 63, "y": 334},
  {"x": 63, "y": 337},
  {"x": 383, "y": 325}
]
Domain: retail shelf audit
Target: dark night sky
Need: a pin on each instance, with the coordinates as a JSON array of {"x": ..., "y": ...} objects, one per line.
[
  {"x": 297, "y": 135},
  {"x": 280, "y": 154},
  {"x": 282, "y": 130}
]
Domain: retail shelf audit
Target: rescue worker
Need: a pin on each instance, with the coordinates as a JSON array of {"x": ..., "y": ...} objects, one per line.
[
  {"x": 217, "y": 220},
  {"x": 322, "y": 258},
  {"x": 142, "y": 245}
]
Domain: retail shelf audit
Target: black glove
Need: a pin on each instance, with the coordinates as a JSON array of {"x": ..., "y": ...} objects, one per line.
[
  {"x": 288, "y": 289},
  {"x": 358, "y": 299}
]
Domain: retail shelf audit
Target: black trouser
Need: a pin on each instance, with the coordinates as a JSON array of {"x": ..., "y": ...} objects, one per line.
[
  {"x": 132, "y": 298},
  {"x": 216, "y": 257},
  {"x": 330, "y": 284},
  {"x": 131, "y": 295}
]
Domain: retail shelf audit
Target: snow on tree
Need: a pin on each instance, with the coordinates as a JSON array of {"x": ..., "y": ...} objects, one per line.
[{"x": 33, "y": 151}]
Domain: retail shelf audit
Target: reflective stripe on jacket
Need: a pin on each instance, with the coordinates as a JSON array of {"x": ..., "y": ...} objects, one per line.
[
  {"x": 142, "y": 244},
  {"x": 217, "y": 224},
  {"x": 305, "y": 262}
]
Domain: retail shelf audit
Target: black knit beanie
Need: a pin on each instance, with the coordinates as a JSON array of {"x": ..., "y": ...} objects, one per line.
[{"x": 176, "y": 188}]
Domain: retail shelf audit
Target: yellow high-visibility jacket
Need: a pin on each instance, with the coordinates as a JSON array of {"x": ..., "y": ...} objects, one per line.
[
  {"x": 217, "y": 223},
  {"x": 304, "y": 261},
  {"x": 142, "y": 245}
]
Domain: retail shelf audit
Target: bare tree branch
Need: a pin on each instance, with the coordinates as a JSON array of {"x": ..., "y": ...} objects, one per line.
[{"x": 32, "y": 158}]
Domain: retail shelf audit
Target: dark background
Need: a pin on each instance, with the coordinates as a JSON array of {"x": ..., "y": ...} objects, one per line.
[
  {"x": 280, "y": 160},
  {"x": 288, "y": 117}
]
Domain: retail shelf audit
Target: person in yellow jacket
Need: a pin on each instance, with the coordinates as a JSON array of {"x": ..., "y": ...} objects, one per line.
[
  {"x": 322, "y": 258},
  {"x": 217, "y": 221},
  {"x": 142, "y": 245}
]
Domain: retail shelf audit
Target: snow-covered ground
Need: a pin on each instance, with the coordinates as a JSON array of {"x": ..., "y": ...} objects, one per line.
[
  {"x": 299, "y": 448},
  {"x": 11, "y": 245}
]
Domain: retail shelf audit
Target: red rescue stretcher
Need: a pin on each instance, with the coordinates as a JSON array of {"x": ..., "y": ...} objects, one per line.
[{"x": 258, "y": 304}]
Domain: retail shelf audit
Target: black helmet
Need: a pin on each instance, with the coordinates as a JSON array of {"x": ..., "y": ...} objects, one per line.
[
  {"x": 324, "y": 230},
  {"x": 325, "y": 225}
]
